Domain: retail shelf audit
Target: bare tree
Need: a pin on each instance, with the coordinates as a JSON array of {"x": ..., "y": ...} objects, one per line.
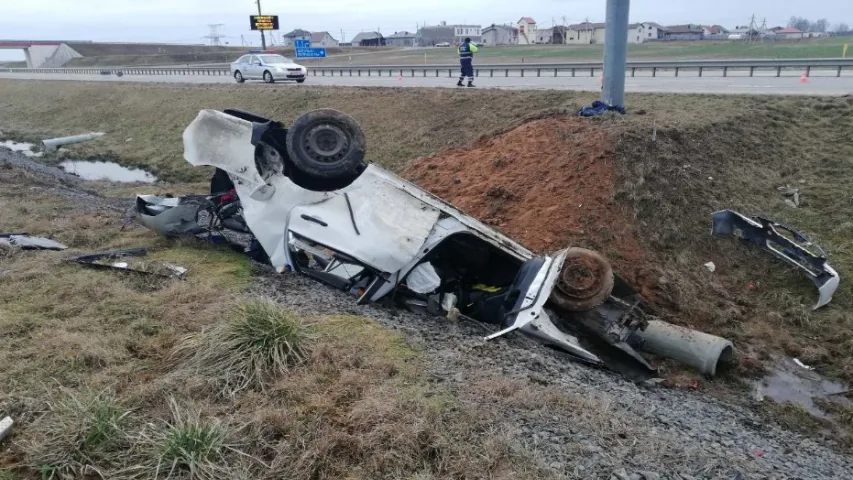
[
  {"x": 820, "y": 26},
  {"x": 841, "y": 28},
  {"x": 800, "y": 23}
]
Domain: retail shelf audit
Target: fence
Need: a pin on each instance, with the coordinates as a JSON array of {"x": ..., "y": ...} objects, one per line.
[{"x": 492, "y": 70}]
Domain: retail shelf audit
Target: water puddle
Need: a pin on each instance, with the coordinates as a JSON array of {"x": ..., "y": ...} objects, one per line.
[
  {"x": 790, "y": 382},
  {"x": 90, "y": 170},
  {"x": 21, "y": 147}
]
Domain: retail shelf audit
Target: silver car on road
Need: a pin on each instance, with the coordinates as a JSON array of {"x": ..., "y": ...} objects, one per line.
[{"x": 268, "y": 67}]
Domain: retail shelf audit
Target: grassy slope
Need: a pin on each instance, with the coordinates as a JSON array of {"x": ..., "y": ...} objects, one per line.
[
  {"x": 812, "y": 48},
  {"x": 747, "y": 145}
]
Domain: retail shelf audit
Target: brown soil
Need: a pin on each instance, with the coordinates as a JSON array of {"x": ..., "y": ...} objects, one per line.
[{"x": 548, "y": 184}]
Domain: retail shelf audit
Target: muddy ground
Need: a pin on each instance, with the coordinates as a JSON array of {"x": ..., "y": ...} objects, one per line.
[{"x": 571, "y": 420}]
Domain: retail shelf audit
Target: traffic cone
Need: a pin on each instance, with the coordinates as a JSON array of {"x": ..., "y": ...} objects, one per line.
[
  {"x": 804, "y": 78},
  {"x": 601, "y": 79},
  {"x": 400, "y": 79}
]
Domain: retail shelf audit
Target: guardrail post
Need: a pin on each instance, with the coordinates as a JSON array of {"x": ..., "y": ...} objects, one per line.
[
  {"x": 555, "y": 72},
  {"x": 449, "y": 73},
  {"x": 436, "y": 73},
  {"x": 413, "y": 73},
  {"x": 477, "y": 72},
  {"x": 676, "y": 71},
  {"x": 538, "y": 72},
  {"x": 592, "y": 72},
  {"x": 522, "y": 71},
  {"x": 573, "y": 72},
  {"x": 368, "y": 72},
  {"x": 751, "y": 71},
  {"x": 633, "y": 71},
  {"x": 779, "y": 71},
  {"x": 725, "y": 71},
  {"x": 492, "y": 72},
  {"x": 324, "y": 72},
  {"x": 839, "y": 71},
  {"x": 808, "y": 70},
  {"x": 654, "y": 71},
  {"x": 506, "y": 72},
  {"x": 700, "y": 71},
  {"x": 359, "y": 72}
]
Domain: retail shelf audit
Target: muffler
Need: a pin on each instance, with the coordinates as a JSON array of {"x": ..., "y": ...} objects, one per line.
[{"x": 699, "y": 350}]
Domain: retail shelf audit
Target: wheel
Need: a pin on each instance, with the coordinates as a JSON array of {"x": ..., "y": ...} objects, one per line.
[
  {"x": 328, "y": 146},
  {"x": 585, "y": 282},
  {"x": 239, "y": 77},
  {"x": 268, "y": 77},
  {"x": 301, "y": 80}
]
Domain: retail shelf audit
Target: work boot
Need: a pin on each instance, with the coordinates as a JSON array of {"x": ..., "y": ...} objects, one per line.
[
  {"x": 470, "y": 84},
  {"x": 459, "y": 84}
]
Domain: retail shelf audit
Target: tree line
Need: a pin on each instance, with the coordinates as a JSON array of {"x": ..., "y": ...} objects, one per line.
[{"x": 818, "y": 26}]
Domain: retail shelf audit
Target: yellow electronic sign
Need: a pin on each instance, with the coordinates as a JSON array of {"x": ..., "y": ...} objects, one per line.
[{"x": 263, "y": 22}]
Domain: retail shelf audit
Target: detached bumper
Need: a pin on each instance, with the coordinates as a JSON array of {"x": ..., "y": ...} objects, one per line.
[{"x": 765, "y": 234}]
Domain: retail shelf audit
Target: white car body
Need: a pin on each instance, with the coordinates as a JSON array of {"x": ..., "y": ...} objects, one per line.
[
  {"x": 381, "y": 221},
  {"x": 254, "y": 66}
]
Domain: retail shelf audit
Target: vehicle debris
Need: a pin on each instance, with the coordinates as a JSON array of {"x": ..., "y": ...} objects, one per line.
[
  {"x": 765, "y": 234},
  {"x": 51, "y": 144},
  {"x": 802, "y": 365},
  {"x": 26, "y": 241},
  {"x": 6, "y": 427},
  {"x": 308, "y": 199},
  {"x": 711, "y": 267},
  {"x": 128, "y": 261}
]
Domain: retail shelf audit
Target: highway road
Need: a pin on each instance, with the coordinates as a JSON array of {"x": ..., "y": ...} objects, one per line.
[{"x": 733, "y": 84}]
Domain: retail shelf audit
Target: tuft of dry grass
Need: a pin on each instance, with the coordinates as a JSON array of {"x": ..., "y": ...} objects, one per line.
[
  {"x": 185, "y": 446},
  {"x": 260, "y": 341},
  {"x": 79, "y": 435}
]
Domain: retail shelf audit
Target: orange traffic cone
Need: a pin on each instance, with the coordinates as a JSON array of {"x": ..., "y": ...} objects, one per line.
[
  {"x": 399, "y": 79},
  {"x": 601, "y": 79},
  {"x": 804, "y": 78}
]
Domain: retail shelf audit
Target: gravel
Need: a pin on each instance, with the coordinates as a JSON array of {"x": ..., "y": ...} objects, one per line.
[{"x": 668, "y": 433}]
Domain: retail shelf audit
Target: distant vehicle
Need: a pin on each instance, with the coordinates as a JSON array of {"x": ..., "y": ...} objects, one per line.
[
  {"x": 268, "y": 67},
  {"x": 443, "y": 44}
]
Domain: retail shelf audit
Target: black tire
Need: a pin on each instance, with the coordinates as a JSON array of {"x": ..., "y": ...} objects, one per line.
[
  {"x": 239, "y": 77},
  {"x": 301, "y": 80},
  {"x": 268, "y": 78},
  {"x": 585, "y": 282},
  {"x": 327, "y": 145}
]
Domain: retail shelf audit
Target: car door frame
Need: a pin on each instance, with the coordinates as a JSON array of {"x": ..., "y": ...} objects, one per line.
[{"x": 255, "y": 70}]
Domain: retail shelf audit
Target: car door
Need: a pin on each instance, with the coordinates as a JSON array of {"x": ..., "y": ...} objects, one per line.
[{"x": 254, "y": 68}]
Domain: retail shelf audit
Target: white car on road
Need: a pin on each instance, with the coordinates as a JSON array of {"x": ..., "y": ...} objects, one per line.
[{"x": 268, "y": 67}]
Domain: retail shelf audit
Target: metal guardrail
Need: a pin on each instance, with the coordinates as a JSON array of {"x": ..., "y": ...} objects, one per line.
[{"x": 489, "y": 69}]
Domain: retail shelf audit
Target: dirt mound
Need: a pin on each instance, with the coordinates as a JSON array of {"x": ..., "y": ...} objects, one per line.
[{"x": 549, "y": 184}]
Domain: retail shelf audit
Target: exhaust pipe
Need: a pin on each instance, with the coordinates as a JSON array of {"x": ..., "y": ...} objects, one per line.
[
  {"x": 699, "y": 350},
  {"x": 51, "y": 144}
]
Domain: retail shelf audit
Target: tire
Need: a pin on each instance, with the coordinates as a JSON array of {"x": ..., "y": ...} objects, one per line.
[
  {"x": 268, "y": 78},
  {"x": 301, "y": 80},
  {"x": 239, "y": 77},
  {"x": 326, "y": 146},
  {"x": 585, "y": 282}
]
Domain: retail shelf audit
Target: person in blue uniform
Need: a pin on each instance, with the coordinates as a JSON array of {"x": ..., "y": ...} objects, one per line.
[{"x": 466, "y": 62}]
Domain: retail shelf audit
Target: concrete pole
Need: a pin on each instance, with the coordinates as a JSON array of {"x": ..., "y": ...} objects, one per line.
[
  {"x": 264, "y": 40},
  {"x": 615, "y": 52}
]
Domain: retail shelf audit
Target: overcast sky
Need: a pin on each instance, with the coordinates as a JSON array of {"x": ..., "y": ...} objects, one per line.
[{"x": 184, "y": 21}]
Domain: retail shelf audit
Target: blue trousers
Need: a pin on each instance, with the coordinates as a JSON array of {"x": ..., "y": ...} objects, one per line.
[{"x": 467, "y": 66}]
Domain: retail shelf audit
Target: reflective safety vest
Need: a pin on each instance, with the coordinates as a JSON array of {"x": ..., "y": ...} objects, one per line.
[{"x": 467, "y": 50}]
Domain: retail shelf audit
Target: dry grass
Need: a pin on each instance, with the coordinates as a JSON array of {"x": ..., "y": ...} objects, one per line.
[{"x": 259, "y": 340}]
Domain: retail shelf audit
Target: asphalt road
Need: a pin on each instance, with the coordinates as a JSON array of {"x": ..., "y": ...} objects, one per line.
[{"x": 733, "y": 84}]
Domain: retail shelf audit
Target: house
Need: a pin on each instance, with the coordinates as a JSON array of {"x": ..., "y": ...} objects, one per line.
[
  {"x": 401, "y": 39},
  {"x": 288, "y": 39},
  {"x": 643, "y": 32},
  {"x": 684, "y": 32},
  {"x": 585, "y": 33},
  {"x": 714, "y": 30},
  {"x": 431, "y": 35},
  {"x": 369, "y": 39},
  {"x": 790, "y": 33},
  {"x": 323, "y": 39},
  {"x": 544, "y": 35},
  {"x": 526, "y": 31},
  {"x": 500, "y": 35}
]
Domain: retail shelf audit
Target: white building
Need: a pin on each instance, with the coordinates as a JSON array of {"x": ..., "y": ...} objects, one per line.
[
  {"x": 323, "y": 39},
  {"x": 593, "y": 33},
  {"x": 526, "y": 31}
]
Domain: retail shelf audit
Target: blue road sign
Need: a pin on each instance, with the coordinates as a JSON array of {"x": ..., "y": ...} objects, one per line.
[
  {"x": 310, "y": 52},
  {"x": 302, "y": 44}
]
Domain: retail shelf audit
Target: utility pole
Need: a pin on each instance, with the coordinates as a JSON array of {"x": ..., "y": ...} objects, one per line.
[
  {"x": 615, "y": 52},
  {"x": 214, "y": 35},
  {"x": 263, "y": 40}
]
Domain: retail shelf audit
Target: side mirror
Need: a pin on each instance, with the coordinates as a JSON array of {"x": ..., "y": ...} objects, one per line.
[{"x": 257, "y": 64}]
